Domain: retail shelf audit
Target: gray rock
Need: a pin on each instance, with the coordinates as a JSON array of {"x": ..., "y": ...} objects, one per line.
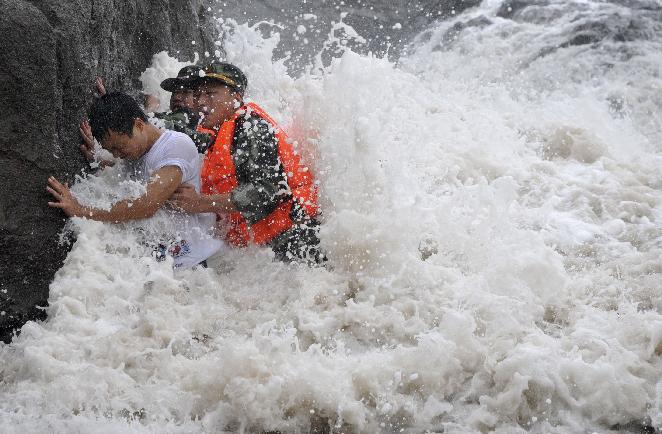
[{"x": 52, "y": 51}]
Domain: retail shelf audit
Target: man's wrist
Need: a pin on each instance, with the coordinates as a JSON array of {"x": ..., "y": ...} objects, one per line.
[
  {"x": 204, "y": 204},
  {"x": 82, "y": 211},
  {"x": 220, "y": 203}
]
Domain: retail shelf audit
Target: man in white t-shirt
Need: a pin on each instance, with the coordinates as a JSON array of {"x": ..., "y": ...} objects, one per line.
[{"x": 164, "y": 160}]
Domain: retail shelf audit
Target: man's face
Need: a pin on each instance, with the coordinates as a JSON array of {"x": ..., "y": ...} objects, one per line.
[
  {"x": 216, "y": 102},
  {"x": 124, "y": 146},
  {"x": 182, "y": 99}
]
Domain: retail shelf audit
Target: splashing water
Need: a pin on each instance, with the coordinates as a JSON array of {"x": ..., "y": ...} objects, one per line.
[{"x": 491, "y": 211}]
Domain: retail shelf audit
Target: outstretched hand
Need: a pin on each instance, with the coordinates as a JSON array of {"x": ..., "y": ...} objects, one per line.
[{"x": 64, "y": 199}]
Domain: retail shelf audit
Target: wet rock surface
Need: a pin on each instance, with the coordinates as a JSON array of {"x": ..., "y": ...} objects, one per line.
[{"x": 52, "y": 51}]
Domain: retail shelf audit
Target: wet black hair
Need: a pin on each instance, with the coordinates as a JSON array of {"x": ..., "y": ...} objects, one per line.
[{"x": 114, "y": 111}]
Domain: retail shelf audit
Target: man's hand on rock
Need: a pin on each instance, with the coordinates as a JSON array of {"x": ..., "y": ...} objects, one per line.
[
  {"x": 87, "y": 147},
  {"x": 64, "y": 199},
  {"x": 100, "y": 88},
  {"x": 87, "y": 144}
]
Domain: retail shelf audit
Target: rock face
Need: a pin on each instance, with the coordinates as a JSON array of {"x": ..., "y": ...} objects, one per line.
[{"x": 52, "y": 50}]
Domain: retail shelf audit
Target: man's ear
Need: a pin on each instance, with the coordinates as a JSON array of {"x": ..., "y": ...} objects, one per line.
[{"x": 139, "y": 123}]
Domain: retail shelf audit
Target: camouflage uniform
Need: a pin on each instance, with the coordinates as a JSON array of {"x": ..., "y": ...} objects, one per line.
[
  {"x": 262, "y": 186},
  {"x": 185, "y": 121}
]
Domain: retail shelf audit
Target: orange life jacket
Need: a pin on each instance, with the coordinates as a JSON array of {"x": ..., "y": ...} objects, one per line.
[{"x": 219, "y": 177}]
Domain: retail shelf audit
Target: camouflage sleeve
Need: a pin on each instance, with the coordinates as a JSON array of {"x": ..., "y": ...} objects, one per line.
[
  {"x": 261, "y": 181},
  {"x": 202, "y": 140},
  {"x": 182, "y": 122}
]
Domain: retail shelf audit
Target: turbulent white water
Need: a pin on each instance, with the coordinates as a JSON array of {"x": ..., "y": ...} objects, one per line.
[{"x": 491, "y": 211}]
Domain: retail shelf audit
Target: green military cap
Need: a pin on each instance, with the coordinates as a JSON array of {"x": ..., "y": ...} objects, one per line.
[
  {"x": 225, "y": 73},
  {"x": 184, "y": 80}
]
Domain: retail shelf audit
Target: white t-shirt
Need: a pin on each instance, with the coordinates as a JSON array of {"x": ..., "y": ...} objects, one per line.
[{"x": 190, "y": 239}]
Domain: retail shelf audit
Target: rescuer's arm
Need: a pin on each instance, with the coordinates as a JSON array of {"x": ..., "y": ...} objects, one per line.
[
  {"x": 261, "y": 180},
  {"x": 187, "y": 199},
  {"x": 163, "y": 183}
]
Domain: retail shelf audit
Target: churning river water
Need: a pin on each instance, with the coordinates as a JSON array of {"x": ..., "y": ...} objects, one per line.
[{"x": 492, "y": 213}]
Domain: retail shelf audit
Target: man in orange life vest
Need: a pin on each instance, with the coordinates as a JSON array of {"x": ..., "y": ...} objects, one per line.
[{"x": 252, "y": 176}]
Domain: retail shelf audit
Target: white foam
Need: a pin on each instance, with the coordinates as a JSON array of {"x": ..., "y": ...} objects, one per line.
[
  {"x": 163, "y": 66},
  {"x": 494, "y": 265}
]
